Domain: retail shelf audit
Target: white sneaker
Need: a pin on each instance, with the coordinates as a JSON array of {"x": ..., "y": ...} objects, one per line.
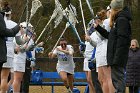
[{"x": 69, "y": 90}]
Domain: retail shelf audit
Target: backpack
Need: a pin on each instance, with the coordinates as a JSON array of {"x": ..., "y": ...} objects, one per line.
[{"x": 37, "y": 76}]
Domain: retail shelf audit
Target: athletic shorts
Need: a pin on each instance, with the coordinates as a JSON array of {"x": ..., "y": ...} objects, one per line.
[
  {"x": 69, "y": 69},
  {"x": 9, "y": 63},
  {"x": 101, "y": 61},
  {"x": 85, "y": 66},
  {"x": 20, "y": 67}
]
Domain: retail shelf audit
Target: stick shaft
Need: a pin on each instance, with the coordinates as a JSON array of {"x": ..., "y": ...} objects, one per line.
[
  {"x": 22, "y": 15},
  {"x": 73, "y": 28},
  {"x": 43, "y": 31},
  {"x": 83, "y": 17},
  {"x": 34, "y": 30},
  {"x": 59, "y": 39},
  {"x": 90, "y": 8}
]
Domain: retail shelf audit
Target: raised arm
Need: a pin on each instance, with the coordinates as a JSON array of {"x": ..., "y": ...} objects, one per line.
[
  {"x": 4, "y": 32},
  {"x": 70, "y": 50},
  {"x": 102, "y": 31}
]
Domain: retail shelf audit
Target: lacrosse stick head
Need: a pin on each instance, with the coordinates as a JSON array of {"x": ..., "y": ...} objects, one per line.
[{"x": 35, "y": 5}]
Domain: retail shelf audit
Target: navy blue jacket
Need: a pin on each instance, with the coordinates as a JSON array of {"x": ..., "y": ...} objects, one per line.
[{"x": 133, "y": 68}]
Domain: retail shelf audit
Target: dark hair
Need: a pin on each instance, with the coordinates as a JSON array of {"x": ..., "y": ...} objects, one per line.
[
  {"x": 101, "y": 15},
  {"x": 63, "y": 39},
  {"x": 6, "y": 7},
  {"x": 2, "y": 13}
]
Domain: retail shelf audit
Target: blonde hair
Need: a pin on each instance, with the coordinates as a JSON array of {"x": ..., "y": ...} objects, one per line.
[
  {"x": 113, "y": 14},
  {"x": 136, "y": 41}
]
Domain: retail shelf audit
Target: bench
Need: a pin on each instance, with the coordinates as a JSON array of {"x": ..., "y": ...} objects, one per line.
[{"x": 54, "y": 76}]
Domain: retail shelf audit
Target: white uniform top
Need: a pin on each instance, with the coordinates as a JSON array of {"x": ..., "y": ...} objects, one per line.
[
  {"x": 106, "y": 24},
  {"x": 65, "y": 61},
  {"x": 21, "y": 57},
  {"x": 9, "y": 43},
  {"x": 101, "y": 48},
  {"x": 87, "y": 55},
  {"x": 33, "y": 52},
  {"x": 88, "y": 50}
]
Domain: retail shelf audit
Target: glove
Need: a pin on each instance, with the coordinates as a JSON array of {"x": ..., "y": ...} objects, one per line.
[
  {"x": 39, "y": 49},
  {"x": 92, "y": 64},
  {"x": 32, "y": 64},
  {"x": 82, "y": 47}
]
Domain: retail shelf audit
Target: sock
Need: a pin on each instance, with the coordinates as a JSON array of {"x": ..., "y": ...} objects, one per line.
[{"x": 67, "y": 87}]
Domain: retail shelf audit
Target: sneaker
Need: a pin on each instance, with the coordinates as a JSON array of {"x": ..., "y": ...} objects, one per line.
[
  {"x": 69, "y": 90},
  {"x": 10, "y": 90}
]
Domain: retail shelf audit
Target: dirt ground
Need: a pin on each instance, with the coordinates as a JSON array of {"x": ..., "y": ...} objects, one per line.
[{"x": 57, "y": 89}]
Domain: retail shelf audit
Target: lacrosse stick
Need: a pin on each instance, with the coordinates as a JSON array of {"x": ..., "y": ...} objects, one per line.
[
  {"x": 66, "y": 17},
  {"x": 55, "y": 13},
  {"x": 43, "y": 30},
  {"x": 83, "y": 17},
  {"x": 35, "y": 5},
  {"x": 90, "y": 8},
  {"x": 22, "y": 15},
  {"x": 71, "y": 18},
  {"x": 73, "y": 11},
  {"x": 92, "y": 13},
  {"x": 60, "y": 38},
  {"x": 58, "y": 19},
  {"x": 34, "y": 30},
  {"x": 27, "y": 14}
]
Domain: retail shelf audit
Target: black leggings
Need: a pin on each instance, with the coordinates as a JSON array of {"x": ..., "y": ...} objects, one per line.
[
  {"x": 118, "y": 75},
  {"x": 26, "y": 78},
  {"x": 1, "y": 64},
  {"x": 133, "y": 89},
  {"x": 96, "y": 82}
]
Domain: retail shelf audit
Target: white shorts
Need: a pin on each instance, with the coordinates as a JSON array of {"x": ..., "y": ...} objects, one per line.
[
  {"x": 9, "y": 63},
  {"x": 85, "y": 66},
  {"x": 20, "y": 67},
  {"x": 67, "y": 69},
  {"x": 12, "y": 70},
  {"x": 101, "y": 61}
]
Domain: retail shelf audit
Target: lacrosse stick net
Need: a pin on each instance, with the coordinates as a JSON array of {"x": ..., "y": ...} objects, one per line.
[
  {"x": 56, "y": 12},
  {"x": 35, "y": 5}
]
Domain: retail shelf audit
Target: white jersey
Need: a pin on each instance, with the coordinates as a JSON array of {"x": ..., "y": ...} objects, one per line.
[
  {"x": 9, "y": 43},
  {"x": 21, "y": 57},
  {"x": 106, "y": 24},
  {"x": 88, "y": 50},
  {"x": 87, "y": 55},
  {"x": 65, "y": 61},
  {"x": 101, "y": 48}
]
